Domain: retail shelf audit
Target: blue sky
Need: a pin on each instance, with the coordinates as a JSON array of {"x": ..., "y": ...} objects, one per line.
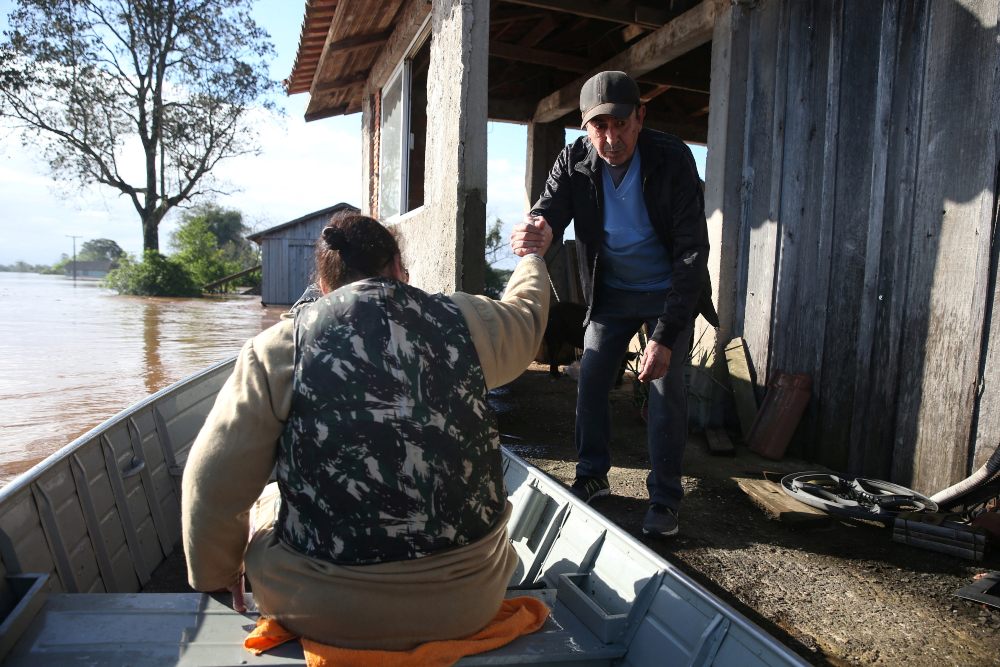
[{"x": 303, "y": 167}]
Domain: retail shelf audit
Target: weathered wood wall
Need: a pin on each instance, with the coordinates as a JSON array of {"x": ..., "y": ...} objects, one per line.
[
  {"x": 868, "y": 139},
  {"x": 288, "y": 257}
]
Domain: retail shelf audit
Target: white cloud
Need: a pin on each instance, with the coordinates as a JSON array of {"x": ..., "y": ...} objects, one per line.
[{"x": 302, "y": 167}]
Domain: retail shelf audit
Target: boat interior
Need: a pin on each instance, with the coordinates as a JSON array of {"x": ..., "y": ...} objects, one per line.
[{"x": 87, "y": 535}]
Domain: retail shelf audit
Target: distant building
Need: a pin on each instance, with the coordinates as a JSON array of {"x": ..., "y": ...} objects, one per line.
[
  {"x": 287, "y": 259},
  {"x": 95, "y": 270}
]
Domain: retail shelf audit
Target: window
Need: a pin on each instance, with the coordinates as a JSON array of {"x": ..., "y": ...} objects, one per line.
[{"x": 403, "y": 133}]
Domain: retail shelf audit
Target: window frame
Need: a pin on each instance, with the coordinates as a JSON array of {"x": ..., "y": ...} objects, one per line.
[{"x": 401, "y": 73}]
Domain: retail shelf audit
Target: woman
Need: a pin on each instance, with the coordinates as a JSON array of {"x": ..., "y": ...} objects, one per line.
[{"x": 370, "y": 405}]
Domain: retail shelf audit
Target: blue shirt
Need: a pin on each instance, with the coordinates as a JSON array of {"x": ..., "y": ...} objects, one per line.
[{"x": 634, "y": 259}]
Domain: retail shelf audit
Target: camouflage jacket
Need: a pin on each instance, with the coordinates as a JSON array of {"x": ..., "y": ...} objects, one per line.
[{"x": 390, "y": 451}]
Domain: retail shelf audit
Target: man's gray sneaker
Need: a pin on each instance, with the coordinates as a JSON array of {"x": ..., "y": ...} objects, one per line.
[
  {"x": 660, "y": 521},
  {"x": 588, "y": 488}
]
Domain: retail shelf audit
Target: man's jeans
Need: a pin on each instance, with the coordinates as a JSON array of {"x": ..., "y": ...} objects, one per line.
[{"x": 605, "y": 343}]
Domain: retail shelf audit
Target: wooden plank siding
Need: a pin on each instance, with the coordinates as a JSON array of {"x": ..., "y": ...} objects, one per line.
[
  {"x": 288, "y": 259},
  {"x": 764, "y": 125},
  {"x": 803, "y": 257},
  {"x": 987, "y": 420},
  {"x": 949, "y": 256},
  {"x": 867, "y": 212}
]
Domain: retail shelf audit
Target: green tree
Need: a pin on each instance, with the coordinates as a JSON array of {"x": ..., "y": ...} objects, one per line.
[
  {"x": 98, "y": 83},
  {"x": 97, "y": 250},
  {"x": 227, "y": 226},
  {"x": 156, "y": 275},
  {"x": 497, "y": 250},
  {"x": 199, "y": 253},
  {"x": 209, "y": 243}
]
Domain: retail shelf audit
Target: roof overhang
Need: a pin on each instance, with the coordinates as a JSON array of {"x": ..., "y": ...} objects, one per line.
[{"x": 540, "y": 52}]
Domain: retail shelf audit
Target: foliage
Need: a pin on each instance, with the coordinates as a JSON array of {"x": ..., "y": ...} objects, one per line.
[
  {"x": 210, "y": 243},
  {"x": 100, "y": 84},
  {"x": 226, "y": 225},
  {"x": 497, "y": 250},
  {"x": 156, "y": 275},
  {"x": 59, "y": 268},
  {"x": 98, "y": 250},
  {"x": 21, "y": 266},
  {"x": 199, "y": 253}
]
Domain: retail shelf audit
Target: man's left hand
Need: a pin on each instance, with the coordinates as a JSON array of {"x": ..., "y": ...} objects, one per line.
[{"x": 655, "y": 362}]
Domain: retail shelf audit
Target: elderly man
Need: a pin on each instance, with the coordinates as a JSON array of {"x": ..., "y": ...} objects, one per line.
[{"x": 636, "y": 201}]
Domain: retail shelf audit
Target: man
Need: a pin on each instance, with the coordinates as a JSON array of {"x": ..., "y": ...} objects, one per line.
[{"x": 636, "y": 201}]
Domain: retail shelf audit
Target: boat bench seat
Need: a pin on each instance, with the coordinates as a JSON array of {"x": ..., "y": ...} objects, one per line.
[{"x": 197, "y": 629}]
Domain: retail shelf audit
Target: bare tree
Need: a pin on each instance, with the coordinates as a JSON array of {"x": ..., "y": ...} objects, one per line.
[{"x": 104, "y": 85}]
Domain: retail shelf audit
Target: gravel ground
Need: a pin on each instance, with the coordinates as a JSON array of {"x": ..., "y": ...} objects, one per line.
[{"x": 841, "y": 594}]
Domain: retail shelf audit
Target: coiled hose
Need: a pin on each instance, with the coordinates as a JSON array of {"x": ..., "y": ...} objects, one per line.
[{"x": 987, "y": 472}]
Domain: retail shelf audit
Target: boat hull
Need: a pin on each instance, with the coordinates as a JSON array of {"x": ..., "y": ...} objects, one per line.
[{"x": 82, "y": 533}]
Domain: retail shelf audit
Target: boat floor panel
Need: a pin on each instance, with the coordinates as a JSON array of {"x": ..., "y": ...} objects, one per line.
[{"x": 197, "y": 629}]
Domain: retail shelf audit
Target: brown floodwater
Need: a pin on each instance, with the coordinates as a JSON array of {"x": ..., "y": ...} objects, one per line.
[{"x": 73, "y": 355}]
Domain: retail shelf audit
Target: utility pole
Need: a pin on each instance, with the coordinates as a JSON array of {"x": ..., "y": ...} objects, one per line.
[{"x": 74, "y": 255}]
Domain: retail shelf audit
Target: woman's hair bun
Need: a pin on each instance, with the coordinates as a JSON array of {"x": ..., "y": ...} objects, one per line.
[{"x": 334, "y": 238}]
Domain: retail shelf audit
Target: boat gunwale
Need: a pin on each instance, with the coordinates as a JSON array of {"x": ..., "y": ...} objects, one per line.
[{"x": 735, "y": 617}]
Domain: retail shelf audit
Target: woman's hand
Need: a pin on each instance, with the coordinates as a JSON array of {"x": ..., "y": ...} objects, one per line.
[{"x": 238, "y": 591}]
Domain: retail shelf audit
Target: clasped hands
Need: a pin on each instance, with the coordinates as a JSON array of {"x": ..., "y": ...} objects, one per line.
[{"x": 532, "y": 237}]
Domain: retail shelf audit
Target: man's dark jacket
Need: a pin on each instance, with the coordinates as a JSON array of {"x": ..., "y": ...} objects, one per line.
[{"x": 673, "y": 195}]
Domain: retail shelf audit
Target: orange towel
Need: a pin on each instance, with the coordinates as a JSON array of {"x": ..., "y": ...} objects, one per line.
[{"x": 517, "y": 616}]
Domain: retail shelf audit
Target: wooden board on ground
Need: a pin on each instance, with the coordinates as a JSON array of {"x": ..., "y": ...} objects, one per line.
[
  {"x": 719, "y": 443},
  {"x": 779, "y": 505},
  {"x": 742, "y": 384}
]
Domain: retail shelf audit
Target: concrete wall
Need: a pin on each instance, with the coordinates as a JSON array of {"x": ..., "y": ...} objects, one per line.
[{"x": 444, "y": 240}]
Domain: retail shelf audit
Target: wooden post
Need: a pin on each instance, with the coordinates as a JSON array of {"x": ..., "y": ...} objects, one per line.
[{"x": 545, "y": 140}]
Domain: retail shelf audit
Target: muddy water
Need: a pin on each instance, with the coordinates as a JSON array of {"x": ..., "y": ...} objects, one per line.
[{"x": 73, "y": 355}]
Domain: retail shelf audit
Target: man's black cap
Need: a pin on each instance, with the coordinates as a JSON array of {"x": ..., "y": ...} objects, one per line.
[{"x": 613, "y": 93}]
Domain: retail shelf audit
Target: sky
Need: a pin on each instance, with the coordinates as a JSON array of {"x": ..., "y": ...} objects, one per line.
[{"x": 302, "y": 167}]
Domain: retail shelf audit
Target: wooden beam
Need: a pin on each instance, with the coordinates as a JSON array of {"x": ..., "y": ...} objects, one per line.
[
  {"x": 648, "y": 17},
  {"x": 526, "y": 54},
  {"x": 358, "y": 42},
  {"x": 691, "y": 131},
  {"x": 719, "y": 443},
  {"x": 686, "y": 32},
  {"x": 342, "y": 82},
  {"x": 742, "y": 384},
  {"x": 522, "y": 54},
  {"x": 510, "y": 110},
  {"x": 630, "y": 32},
  {"x": 326, "y": 113},
  {"x": 777, "y": 504}
]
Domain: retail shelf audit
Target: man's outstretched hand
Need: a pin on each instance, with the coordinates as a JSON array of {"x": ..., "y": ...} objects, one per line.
[{"x": 532, "y": 237}]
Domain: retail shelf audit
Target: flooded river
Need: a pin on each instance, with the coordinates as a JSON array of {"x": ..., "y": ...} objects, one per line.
[{"x": 73, "y": 355}]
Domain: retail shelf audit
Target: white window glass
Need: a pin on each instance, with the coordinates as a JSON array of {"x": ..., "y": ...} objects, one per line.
[{"x": 392, "y": 178}]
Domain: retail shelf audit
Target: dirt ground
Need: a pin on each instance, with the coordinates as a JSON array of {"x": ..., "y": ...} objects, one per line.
[{"x": 840, "y": 594}]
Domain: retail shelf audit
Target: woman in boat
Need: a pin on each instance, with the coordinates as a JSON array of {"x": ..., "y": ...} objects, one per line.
[{"x": 370, "y": 405}]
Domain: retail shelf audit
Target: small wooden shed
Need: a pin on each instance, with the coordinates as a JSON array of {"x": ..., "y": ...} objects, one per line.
[{"x": 287, "y": 255}]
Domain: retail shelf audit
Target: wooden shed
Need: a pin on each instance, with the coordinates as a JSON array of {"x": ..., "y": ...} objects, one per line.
[
  {"x": 851, "y": 181},
  {"x": 287, "y": 255}
]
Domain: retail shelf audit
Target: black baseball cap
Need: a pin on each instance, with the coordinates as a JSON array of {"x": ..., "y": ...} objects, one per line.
[{"x": 612, "y": 93}]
